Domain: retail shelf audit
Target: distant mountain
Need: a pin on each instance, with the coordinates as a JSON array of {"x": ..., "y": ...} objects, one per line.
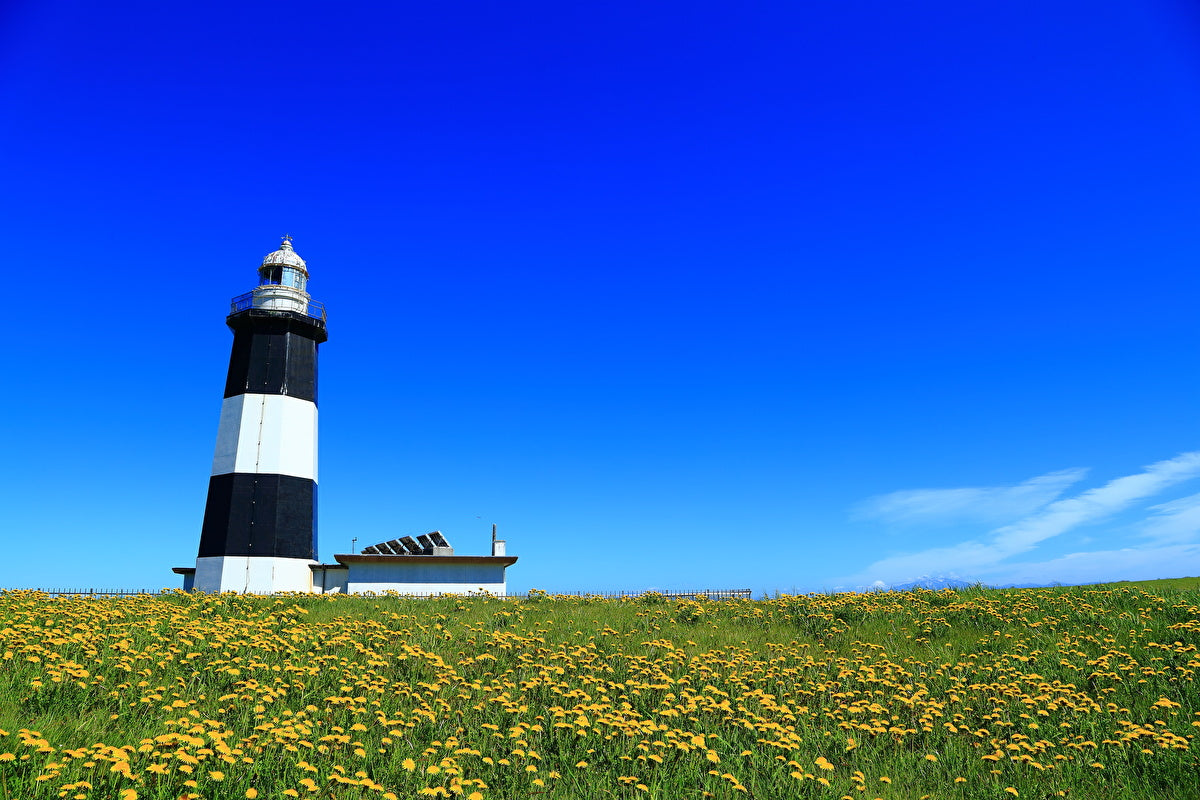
[
  {"x": 950, "y": 582},
  {"x": 933, "y": 582}
]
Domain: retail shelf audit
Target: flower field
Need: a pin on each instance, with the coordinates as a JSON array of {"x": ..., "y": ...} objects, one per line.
[{"x": 1036, "y": 693}]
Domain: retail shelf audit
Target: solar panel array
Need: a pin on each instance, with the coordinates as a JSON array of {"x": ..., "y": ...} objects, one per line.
[{"x": 423, "y": 545}]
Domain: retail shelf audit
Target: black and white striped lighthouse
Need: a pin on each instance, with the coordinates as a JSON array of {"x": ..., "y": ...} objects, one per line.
[{"x": 260, "y": 522}]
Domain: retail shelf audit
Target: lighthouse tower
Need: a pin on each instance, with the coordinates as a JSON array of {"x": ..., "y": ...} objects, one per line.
[{"x": 260, "y": 522}]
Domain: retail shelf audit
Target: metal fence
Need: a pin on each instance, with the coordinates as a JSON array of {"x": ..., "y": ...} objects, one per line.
[
  {"x": 708, "y": 594},
  {"x": 89, "y": 592},
  {"x": 670, "y": 594},
  {"x": 245, "y": 302}
]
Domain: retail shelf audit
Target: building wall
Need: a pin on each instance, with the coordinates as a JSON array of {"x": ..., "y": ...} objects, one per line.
[
  {"x": 329, "y": 580},
  {"x": 252, "y": 575},
  {"x": 257, "y": 575},
  {"x": 410, "y": 578}
]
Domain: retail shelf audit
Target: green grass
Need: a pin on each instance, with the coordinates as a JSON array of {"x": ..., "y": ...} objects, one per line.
[
  {"x": 1161, "y": 586},
  {"x": 1072, "y": 691}
]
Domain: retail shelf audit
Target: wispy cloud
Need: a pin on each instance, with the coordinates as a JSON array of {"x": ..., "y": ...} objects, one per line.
[
  {"x": 1174, "y": 522},
  {"x": 979, "y": 504},
  {"x": 984, "y": 559},
  {"x": 1129, "y": 563}
]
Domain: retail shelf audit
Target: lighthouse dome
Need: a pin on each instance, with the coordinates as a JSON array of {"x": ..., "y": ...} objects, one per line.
[{"x": 285, "y": 256}]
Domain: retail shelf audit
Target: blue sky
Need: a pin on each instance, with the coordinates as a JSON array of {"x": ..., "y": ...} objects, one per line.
[{"x": 784, "y": 296}]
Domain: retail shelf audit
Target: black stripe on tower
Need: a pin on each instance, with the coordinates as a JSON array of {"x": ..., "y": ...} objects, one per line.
[
  {"x": 274, "y": 353},
  {"x": 260, "y": 515}
]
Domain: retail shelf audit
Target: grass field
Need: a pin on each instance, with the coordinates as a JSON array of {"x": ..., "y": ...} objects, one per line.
[{"x": 1084, "y": 692}]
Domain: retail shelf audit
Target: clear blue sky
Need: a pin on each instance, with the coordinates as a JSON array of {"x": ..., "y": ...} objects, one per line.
[{"x": 787, "y": 296}]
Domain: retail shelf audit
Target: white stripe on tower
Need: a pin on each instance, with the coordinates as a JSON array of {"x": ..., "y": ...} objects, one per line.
[{"x": 267, "y": 433}]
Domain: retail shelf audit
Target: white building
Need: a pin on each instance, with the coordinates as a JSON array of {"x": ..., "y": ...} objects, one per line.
[{"x": 425, "y": 566}]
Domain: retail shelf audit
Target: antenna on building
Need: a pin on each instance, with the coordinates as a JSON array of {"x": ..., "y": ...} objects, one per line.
[
  {"x": 497, "y": 544},
  {"x": 353, "y": 542}
]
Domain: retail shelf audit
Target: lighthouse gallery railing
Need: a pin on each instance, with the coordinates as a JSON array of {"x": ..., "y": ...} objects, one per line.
[{"x": 245, "y": 302}]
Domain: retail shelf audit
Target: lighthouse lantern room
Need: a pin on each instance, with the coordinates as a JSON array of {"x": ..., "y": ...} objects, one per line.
[{"x": 260, "y": 521}]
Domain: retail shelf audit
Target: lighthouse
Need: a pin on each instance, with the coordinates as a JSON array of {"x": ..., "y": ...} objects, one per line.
[{"x": 260, "y": 521}]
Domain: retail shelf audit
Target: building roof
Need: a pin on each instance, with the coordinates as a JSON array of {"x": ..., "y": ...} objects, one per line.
[
  {"x": 285, "y": 256},
  {"x": 368, "y": 558}
]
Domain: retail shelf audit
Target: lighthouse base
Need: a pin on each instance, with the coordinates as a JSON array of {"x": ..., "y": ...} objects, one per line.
[{"x": 253, "y": 574}]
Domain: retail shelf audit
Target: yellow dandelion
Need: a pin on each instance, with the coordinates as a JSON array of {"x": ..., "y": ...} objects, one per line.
[
  {"x": 129, "y": 794},
  {"x": 581, "y": 764},
  {"x": 930, "y": 757},
  {"x": 252, "y": 793},
  {"x": 712, "y": 756},
  {"x": 823, "y": 763},
  {"x": 408, "y": 764},
  {"x": 217, "y": 775}
]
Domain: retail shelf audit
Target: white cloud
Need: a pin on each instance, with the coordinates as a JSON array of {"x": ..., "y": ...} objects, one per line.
[
  {"x": 1175, "y": 522},
  {"x": 1095, "y": 504},
  {"x": 985, "y": 504},
  {"x": 1127, "y": 564},
  {"x": 983, "y": 560}
]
